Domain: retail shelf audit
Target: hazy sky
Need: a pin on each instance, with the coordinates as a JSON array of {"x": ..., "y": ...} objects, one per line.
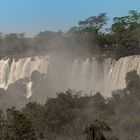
[{"x": 33, "y": 16}]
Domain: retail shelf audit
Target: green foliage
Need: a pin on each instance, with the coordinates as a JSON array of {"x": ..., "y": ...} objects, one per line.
[
  {"x": 121, "y": 40},
  {"x": 94, "y": 23},
  {"x": 34, "y": 111},
  {"x": 2, "y": 131},
  {"x": 95, "y": 130},
  {"x": 124, "y": 30},
  {"x": 89, "y": 38},
  {"x": 133, "y": 82},
  {"x": 18, "y": 126}
]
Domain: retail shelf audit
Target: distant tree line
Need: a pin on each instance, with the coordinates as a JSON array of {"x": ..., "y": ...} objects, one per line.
[
  {"x": 121, "y": 39},
  {"x": 92, "y": 36}
]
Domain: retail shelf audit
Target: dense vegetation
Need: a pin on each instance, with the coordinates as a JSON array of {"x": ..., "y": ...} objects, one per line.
[
  {"x": 90, "y": 37},
  {"x": 66, "y": 116},
  {"x": 71, "y": 116}
]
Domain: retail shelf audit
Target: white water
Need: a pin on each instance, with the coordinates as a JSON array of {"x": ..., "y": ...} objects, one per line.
[
  {"x": 87, "y": 75},
  {"x": 9, "y": 73},
  {"x": 119, "y": 69}
]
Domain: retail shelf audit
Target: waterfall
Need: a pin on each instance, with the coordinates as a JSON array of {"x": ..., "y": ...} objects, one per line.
[
  {"x": 22, "y": 68},
  {"x": 88, "y": 75},
  {"x": 4, "y": 72},
  {"x": 119, "y": 69},
  {"x": 29, "y": 89}
]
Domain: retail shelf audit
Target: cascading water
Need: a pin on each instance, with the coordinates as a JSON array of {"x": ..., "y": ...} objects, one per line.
[
  {"x": 87, "y": 75},
  {"x": 22, "y": 68},
  {"x": 119, "y": 69},
  {"x": 4, "y": 72}
]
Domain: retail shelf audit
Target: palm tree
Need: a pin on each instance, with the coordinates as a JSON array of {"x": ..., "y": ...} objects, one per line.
[{"x": 95, "y": 130}]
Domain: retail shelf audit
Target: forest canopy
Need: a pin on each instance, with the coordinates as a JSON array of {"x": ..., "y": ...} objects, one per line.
[{"x": 91, "y": 36}]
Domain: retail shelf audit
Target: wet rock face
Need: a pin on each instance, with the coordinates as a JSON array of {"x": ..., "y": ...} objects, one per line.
[{"x": 46, "y": 75}]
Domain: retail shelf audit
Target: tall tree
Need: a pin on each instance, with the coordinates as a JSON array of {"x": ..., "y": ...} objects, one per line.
[
  {"x": 94, "y": 23},
  {"x": 95, "y": 130},
  {"x": 126, "y": 37}
]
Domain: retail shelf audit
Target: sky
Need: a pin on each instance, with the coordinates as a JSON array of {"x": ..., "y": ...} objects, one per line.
[{"x": 33, "y": 16}]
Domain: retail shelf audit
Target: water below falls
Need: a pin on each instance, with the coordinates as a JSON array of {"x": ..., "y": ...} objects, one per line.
[{"x": 88, "y": 75}]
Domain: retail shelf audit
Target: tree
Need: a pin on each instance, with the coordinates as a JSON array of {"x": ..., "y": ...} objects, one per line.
[
  {"x": 124, "y": 30},
  {"x": 94, "y": 23},
  {"x": 15, "y": 43},
  {"x": 88, "y": 33},
  {"x": 18, "y": 126},
  {"x": 35, "y": 111},
  {"x": 95, "y": 130},
  {"x": 133, "y": 82},
  {"x": 59, "y": 111},
  {"x": 2, "y": 131},
  {"x": 125, "y": 24}
]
